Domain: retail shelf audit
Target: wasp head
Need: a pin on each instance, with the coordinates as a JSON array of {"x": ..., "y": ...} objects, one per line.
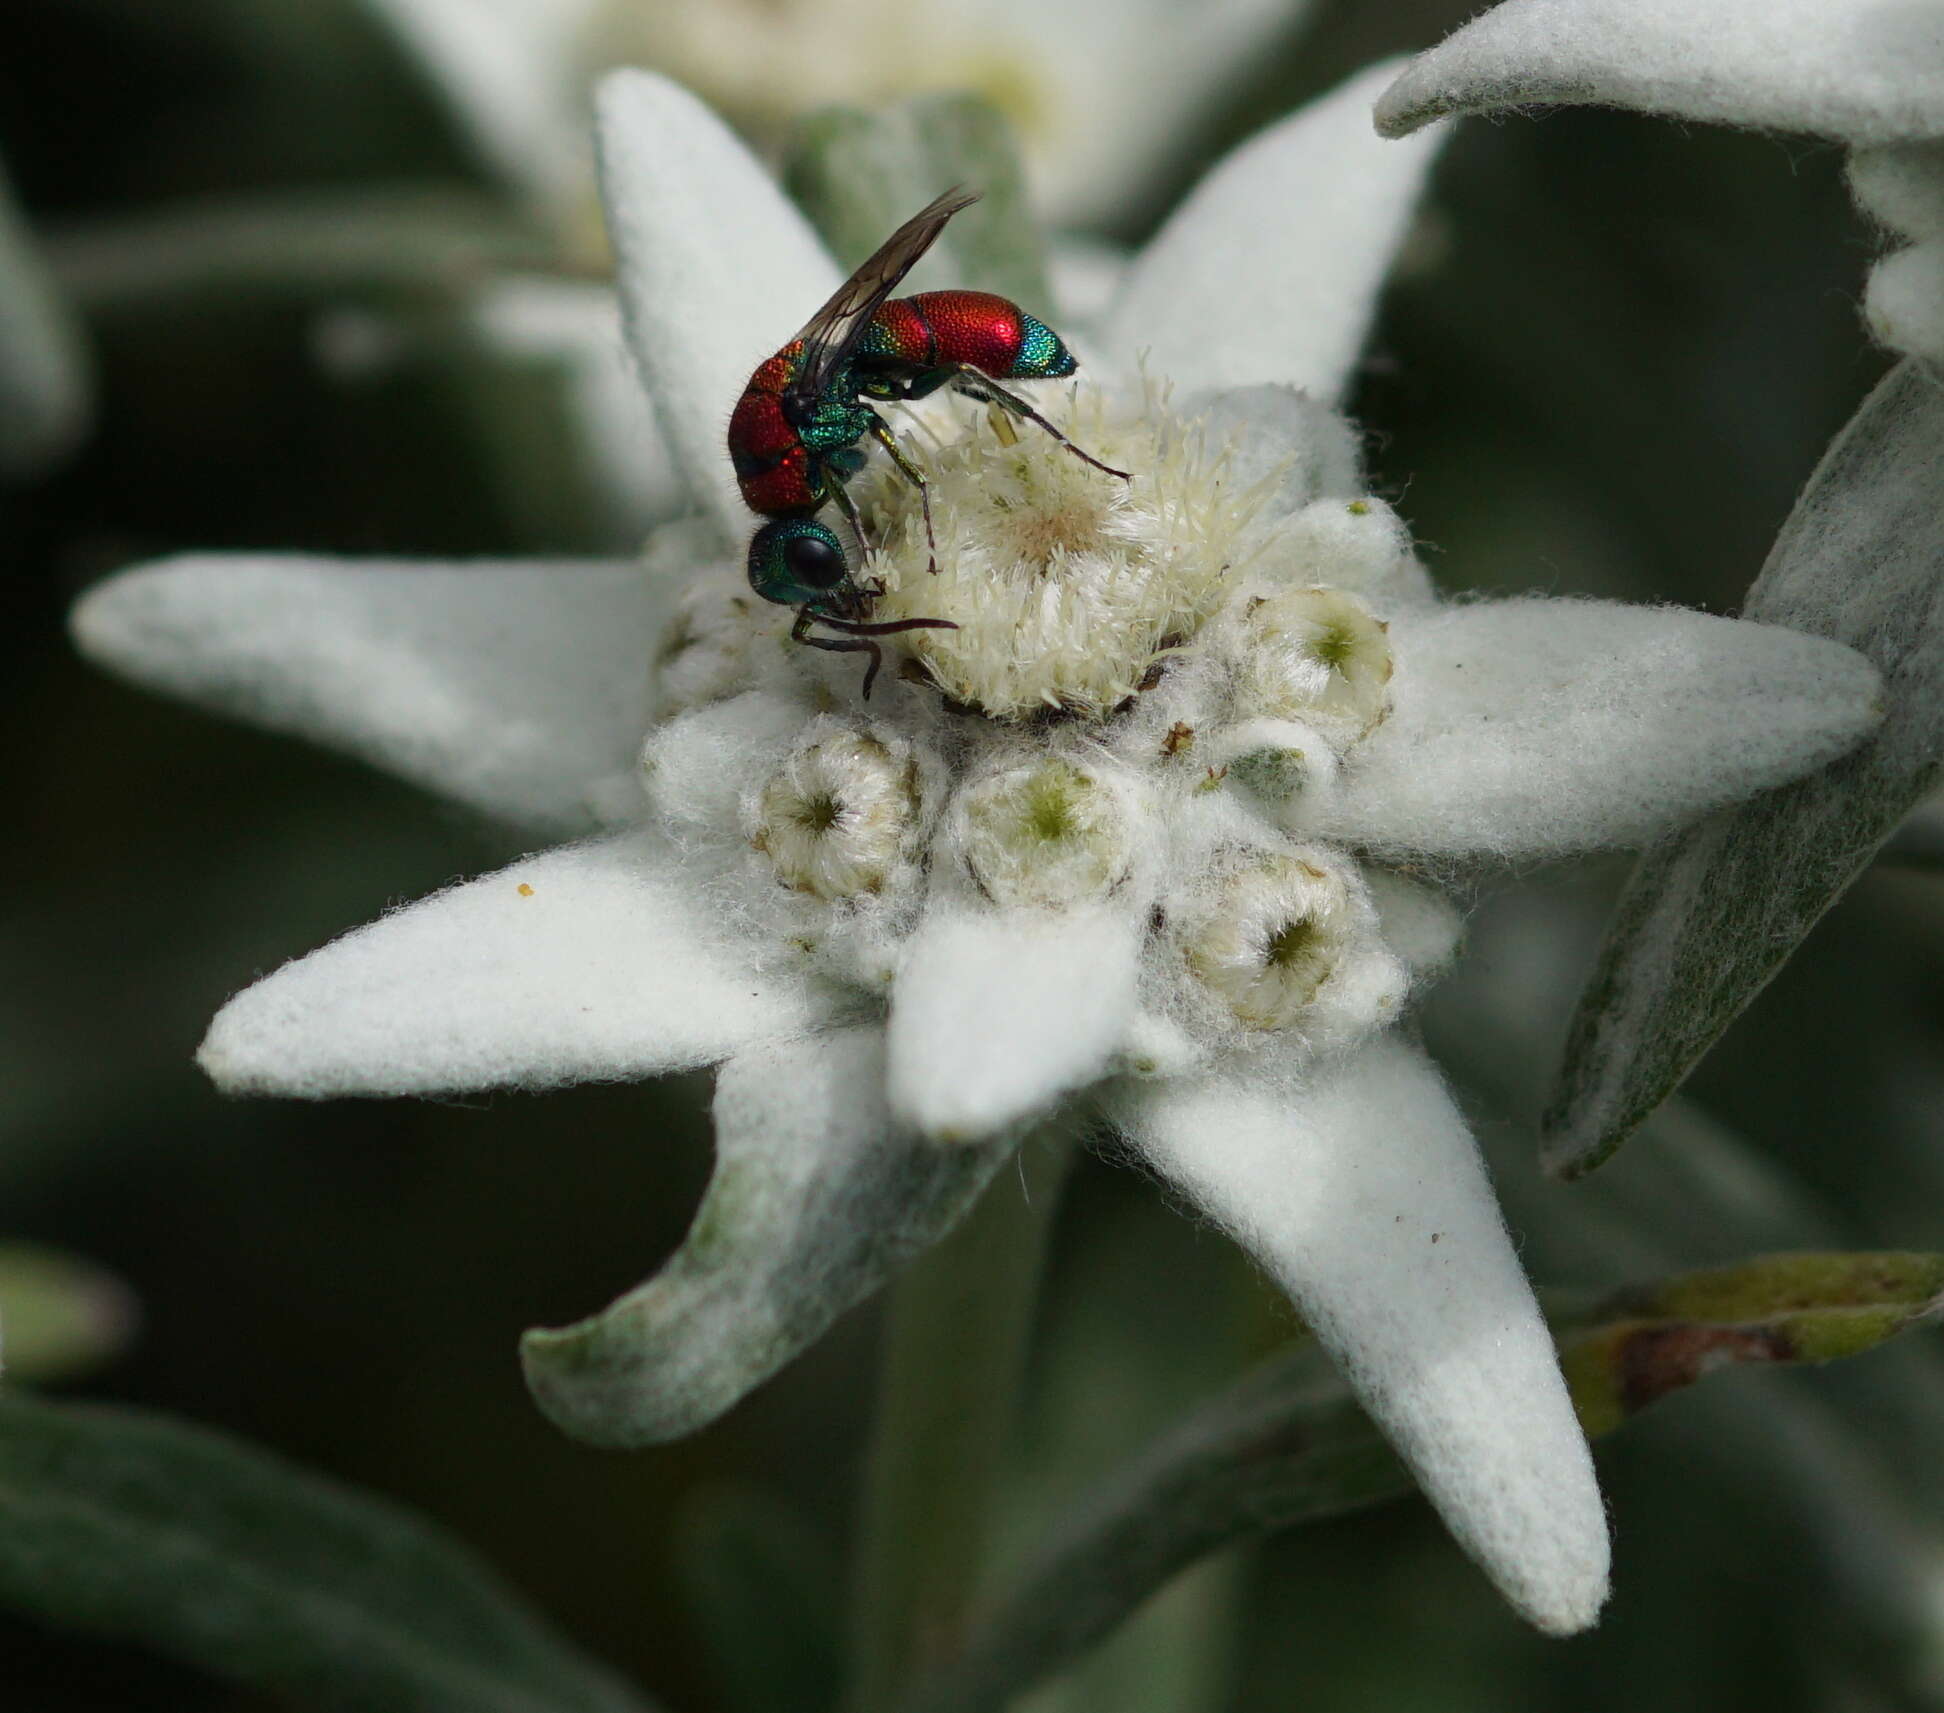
[{"x": 798, "y": 562}]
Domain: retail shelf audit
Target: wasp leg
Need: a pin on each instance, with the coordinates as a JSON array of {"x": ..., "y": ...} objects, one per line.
[
  {"x": 861, "y": 629},
  {"x": 881, "y": 431},
  {"x": 977, "y": 384},
  {"x": 800, "y": 632},
  {"x": 848, "y": 507}
]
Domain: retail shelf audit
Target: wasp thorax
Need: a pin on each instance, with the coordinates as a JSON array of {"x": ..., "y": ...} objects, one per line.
[
  {"x": 837, "y": 818},
  {"x": 1280, "y": 929},
  {"x": 1068, "y": 586},
  {"x": 1044, "y": 835},
  {"x": 1318, "y": 656}
]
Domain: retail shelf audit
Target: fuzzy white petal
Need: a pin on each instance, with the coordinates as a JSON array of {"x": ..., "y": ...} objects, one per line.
[
  {"x": 1538, "y": 727},
  {"x": 997, "y": 1013},
  {"x": 1364, "y": 1196},
  {"x": 817, "y": 1196},
  {"x": 1902, "y": 187},
  {"x": 717, "y": 269},
  {"x": 591, "y": 962},
  {"x": 511, "y": 687},
  {"x": 1904, "y": 305},
  {"x": 700, "y": 765},
  {"x": 1865, "y": 71},
  {"x": 1270, "y": 270},
  {"x": 577, "y": 324},
  {"x": 506, "y": 67}
]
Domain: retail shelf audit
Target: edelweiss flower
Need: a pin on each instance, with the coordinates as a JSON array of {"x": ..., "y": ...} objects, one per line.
[
  {"x": 1868, "y": 73},
  {"x": 1158, "y": 832},
  {"x": 516, "y": 73}
]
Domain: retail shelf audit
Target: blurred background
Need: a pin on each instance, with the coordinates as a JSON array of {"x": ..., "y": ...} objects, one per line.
[{"x": 1614, "y": 352}]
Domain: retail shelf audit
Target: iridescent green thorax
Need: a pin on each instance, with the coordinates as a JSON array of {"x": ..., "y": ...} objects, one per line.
[{"x": 836, "y": 420}]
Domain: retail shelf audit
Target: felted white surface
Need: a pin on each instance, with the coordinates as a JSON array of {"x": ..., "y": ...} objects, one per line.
[
  {"x": 1270, "y": 270},
  {"x": 605, "y": 967},
  {"x": 717, "y": 270},
  {"x": 1863, "y": 71},
  {"x": 1364, "y": 1196},
  {"x": 577, "y": 324},
  {"x": 1902, "y": 187},
  {"x": 1904, "y": 302},
  {"x": 1537, "y": 727},
  {"x": 506, "y": 68},
  {"x": 699, "y": 765},
  {"x": 995, "y": 1014},
  {"x": 511, "y": 687}
]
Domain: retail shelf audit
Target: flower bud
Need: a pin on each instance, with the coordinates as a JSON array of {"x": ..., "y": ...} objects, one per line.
[
  {"x": 836, "y": 819},
  {"x": 1279, "y": 929},
  {"x": 1317, "y": 656},
  {"x": 1050, "y": 833}
]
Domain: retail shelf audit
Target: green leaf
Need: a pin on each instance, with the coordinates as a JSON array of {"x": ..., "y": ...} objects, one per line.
[
  {"x": 1710, "y": 915},
  {"x": 134, "y": 1527},
  {"x": 44, "y": 382},
  {"x": 858, "y": 175},
  {"x": 764, "y": 1588},
  {"x": 1288, "y": 1446},
  {"x": 59, "y": 1315}
]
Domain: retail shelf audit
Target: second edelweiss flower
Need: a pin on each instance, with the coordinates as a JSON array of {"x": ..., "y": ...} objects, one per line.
[{"x": 1153, "y": 829}]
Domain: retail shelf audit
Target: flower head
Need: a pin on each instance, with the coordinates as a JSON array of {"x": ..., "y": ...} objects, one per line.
[{"x": 1162, "y": 828}]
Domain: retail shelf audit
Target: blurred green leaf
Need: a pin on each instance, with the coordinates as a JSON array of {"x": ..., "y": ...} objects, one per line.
[
  {"x": 1710, "y": 915},
  {"x": 859, "y": 175},
  {"x": 44, "y": 381},
  {"x": 59, "y": 1315},
  {"x": 764, "y": 1589},
  {"x": 413, "y": 244},
  {"x": 1287, "y": 1445},
  {"x": 142, "y": 1529}
]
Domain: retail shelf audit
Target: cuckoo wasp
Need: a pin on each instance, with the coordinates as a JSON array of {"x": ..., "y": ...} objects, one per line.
[{"x": 794, "y": 435}]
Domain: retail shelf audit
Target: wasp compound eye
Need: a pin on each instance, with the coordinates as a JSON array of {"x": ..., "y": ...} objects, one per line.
[
  {"x": 814, "y": 562},
  {"x": 797, "y": 562}
]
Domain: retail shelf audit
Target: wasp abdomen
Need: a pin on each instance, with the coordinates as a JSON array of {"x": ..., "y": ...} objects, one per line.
[{"x": 991, "y": 333}]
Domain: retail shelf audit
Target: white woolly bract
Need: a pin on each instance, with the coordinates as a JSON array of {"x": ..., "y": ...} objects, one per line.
[
  {"x": 1067, "y": 584},
  {"x": 1904, "y": 302},
  {"x": 838, "y": 818},
  {"x": 1361, "y": 1191}
]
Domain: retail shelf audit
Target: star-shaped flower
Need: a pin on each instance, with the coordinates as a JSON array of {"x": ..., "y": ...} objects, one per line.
[{"x": 1158, "y": 833}]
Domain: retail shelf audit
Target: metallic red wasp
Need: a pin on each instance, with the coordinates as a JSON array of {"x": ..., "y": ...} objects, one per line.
[{"x": 794, "y": 436}]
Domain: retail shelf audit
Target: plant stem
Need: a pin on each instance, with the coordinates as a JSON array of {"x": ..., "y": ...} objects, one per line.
[{"x": 954, "y": 1352}]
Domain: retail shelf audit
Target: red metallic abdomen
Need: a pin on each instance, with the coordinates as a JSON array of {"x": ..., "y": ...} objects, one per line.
[{"x": 976, "y": 327}]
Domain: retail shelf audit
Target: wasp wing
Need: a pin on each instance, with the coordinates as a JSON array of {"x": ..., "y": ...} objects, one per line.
[{"x": 829, "y": 337}]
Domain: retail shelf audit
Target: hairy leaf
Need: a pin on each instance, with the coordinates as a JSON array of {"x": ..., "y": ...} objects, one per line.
[
  {"x": 817, "y": 1198},
  {"x": 141, "y": 1529},
  {"x": 1711, "y": 914}
]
